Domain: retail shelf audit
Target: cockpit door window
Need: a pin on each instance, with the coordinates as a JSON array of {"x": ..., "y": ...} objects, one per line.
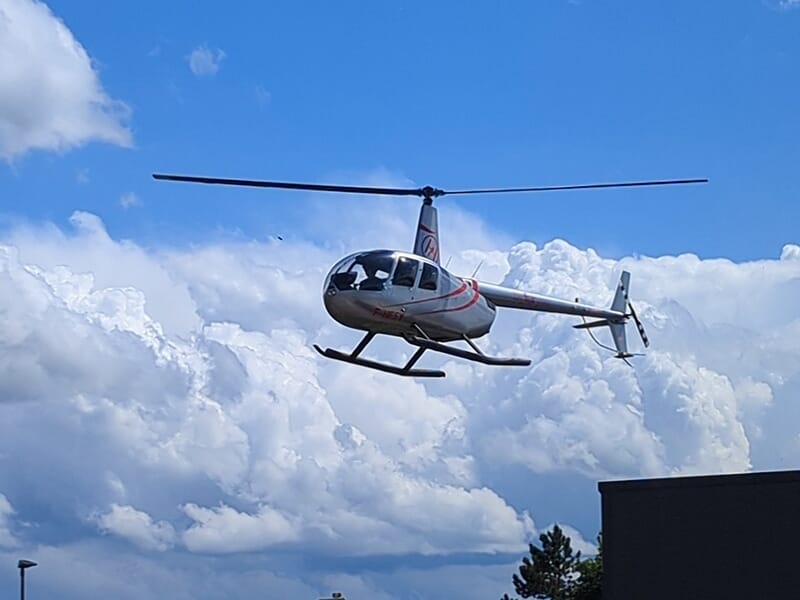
[
  {"x": 405, "y": 274},
  {"x": 373, "y": 271},
  {"x": 430, "y": 277}
]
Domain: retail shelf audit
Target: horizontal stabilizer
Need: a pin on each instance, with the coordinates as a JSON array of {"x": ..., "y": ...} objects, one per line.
[{"x": 591, "y": 324}]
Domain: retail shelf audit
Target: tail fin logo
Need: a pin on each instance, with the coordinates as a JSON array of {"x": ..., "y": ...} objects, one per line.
[{"x": 430, "y": 247}]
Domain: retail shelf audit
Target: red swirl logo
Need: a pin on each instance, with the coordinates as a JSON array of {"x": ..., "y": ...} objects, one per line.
[{"x": 430, "y": 247}]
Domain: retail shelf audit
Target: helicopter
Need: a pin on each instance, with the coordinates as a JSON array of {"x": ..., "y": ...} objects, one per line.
[{"x": 412, "y": 296}]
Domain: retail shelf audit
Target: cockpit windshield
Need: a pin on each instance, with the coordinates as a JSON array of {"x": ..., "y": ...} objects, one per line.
[{"x": 369, "y": 271}]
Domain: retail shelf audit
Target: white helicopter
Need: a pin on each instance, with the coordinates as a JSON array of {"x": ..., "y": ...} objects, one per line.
[{"x": 410, "y": 295}]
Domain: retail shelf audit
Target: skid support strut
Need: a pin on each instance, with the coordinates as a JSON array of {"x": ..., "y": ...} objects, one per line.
[{"x": 353, "y": 359}]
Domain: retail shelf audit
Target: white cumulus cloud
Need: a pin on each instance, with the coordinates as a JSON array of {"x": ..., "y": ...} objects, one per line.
[
  {"x": 204, "y": 61},
  {"x": 129, "y": 200},
  {"x": 137, "y": 527},
  {"x": 244, "y": 409},
  {"x": 51, "y": 97},
  {"x": 183, "y": 384},
  {"x": 224, "y": 529},
  {"x": 790, "y": 252}
]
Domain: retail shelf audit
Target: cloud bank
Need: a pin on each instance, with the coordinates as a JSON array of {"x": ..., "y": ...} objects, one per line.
[
  {"x": 174, "y": 400},
  {"x": 51, "y": 97}
]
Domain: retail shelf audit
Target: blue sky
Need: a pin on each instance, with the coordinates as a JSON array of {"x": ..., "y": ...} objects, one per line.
[
  {"x": 155, "y": 338},
  {"x": 449, "y": 95}
]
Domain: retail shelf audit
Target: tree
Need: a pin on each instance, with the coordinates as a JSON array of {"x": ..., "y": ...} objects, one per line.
[
  {"x": 551, "y": 571},
  {"x": 555, "y": 572},
  {"x": 590, "y": 583}
]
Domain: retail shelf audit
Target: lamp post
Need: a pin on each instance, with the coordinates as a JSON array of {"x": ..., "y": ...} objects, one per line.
[{"x": 22, "y": 565}]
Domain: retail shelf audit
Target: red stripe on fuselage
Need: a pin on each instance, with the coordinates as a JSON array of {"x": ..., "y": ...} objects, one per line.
[
  {"x": 460, "y": 290},
  {"x": 476, "y": 296}
]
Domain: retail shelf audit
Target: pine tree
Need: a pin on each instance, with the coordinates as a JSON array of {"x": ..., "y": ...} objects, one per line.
[
  {"x": 551, "y": 572},
  {"x": 590, "y": 584},
  {"x": 555, "y": 573}
]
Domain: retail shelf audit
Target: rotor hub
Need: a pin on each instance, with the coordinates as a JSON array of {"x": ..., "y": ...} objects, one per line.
[{"x": 429, "y": 193}]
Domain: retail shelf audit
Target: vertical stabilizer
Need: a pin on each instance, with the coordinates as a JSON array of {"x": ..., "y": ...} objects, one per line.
[
  {"x": 620, "y": 341},
  {"x": 621, "y": 297},
  {"x": 620, "y": 304},
  {"x": 427, "y": 242}
]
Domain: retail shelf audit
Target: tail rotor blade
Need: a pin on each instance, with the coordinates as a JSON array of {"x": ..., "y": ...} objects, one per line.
[{"x": 639, "y": 326}]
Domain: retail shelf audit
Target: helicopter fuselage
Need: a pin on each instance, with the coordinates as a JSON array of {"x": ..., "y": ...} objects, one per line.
[{"x": 404, "y": 294}]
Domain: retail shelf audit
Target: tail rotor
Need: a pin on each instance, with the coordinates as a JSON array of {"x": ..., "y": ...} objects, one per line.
[
  {"x": 639, "y": 326},
  {"x": 616, "y": 323}
]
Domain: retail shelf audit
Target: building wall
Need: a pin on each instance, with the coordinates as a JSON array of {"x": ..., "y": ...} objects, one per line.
[{"x": 706, "y": 538}]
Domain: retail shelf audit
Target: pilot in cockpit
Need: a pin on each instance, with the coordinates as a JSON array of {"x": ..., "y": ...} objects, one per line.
[
  {"x": 368, "y": 272},
  {"x": 376, "y": 268}
]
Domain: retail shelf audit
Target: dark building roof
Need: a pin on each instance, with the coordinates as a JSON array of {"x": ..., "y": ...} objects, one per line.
[{"x": 758, "y": 478}]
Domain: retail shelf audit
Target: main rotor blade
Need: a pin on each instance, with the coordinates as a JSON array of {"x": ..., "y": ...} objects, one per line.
[
  {"x": 584, "y": 186},
  {"x": 424, "y": 192},
  {"x": 284, "y": 185}
]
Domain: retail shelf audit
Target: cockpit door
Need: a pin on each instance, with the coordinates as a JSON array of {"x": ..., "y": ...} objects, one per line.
[
  {"x": 404, "y": 279},
  {"x": 428, "y": 280}
]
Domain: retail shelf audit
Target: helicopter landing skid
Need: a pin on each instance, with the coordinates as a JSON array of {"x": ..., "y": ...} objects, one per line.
[
  {"x": 371, "y": 364},
  {"x": 476, "y": 356},
  {"x": 353, "y": 359}
]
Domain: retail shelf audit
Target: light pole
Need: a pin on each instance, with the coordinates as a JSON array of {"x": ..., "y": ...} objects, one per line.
[{"x": 22, "y": 565}]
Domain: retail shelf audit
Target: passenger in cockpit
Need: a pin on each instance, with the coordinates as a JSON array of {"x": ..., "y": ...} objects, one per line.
[{"x": 372, "y": 281}]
